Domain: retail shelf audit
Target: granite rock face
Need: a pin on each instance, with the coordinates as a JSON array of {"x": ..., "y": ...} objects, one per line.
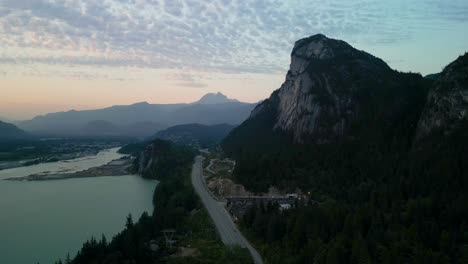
[
  {"x": 339, "y": 108},
  {"x": 334, "y": 92},
  {"x": 318, "y": 99},
  {"x": 447, "y": 102}
]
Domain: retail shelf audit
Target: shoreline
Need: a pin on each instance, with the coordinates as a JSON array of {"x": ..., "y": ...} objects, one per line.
[
  {"x": 5, "y": 165},
  {"x": 118, "y": 167}
]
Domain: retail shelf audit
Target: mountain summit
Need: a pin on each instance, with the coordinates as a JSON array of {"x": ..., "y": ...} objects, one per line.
[
  {"x": 333, "y": 96},
  {"x": 371, "y": 143},
  {"x": 215, "y": 98},
  {"x": 329, "y": 85}
]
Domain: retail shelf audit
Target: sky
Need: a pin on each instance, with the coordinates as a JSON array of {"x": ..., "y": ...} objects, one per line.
[{"x": 84, "y": 54}]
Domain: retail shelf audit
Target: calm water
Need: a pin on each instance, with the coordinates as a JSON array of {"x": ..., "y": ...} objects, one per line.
[{"x": 42, "y": 221}]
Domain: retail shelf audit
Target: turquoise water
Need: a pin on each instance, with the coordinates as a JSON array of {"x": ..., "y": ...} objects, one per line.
[{"x": 42, "y": 221}]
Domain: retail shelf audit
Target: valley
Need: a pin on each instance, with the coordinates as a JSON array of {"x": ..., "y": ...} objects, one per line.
[
  {"x": 233, "y": 132},
  {"x": 342, "y": 164}
]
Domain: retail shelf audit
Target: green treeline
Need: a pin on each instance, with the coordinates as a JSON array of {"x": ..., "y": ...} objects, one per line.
[
  {"x": 176, "y": 207},
  {"x": 369, "y": 202},
  {"x": 379, "y": 195}
]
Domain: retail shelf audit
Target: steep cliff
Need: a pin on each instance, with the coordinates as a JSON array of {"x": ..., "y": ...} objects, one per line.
[
  {"x": 158, "y": 158},
  {"x": 332, "y": 89},
  {"x": 333, "y": 96},
  {"x": 320, "y": 95},
  {"x": 384, "y": 153},
  {"x": 447, "y": 104}
]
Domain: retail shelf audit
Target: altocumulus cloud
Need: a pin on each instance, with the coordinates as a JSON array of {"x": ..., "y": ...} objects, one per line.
[{"x": 220, "y": 35}]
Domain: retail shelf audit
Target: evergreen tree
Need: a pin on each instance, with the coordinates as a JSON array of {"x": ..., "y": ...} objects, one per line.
[
  {"x": 67, "y": 259},
  {"x": 129, "y": 223}
]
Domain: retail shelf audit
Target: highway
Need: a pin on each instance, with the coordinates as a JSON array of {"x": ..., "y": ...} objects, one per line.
[{"x": 225, "y": 226}]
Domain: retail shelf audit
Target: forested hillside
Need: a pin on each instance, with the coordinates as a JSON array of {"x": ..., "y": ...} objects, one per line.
[
  {"x": 196, "y": 135},
  {"x": 382, "y": 153}
]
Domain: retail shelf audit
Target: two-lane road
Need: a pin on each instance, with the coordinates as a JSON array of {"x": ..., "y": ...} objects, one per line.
[{"x": 228, "y": 231}]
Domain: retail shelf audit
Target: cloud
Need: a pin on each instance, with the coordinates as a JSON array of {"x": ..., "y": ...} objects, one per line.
[
  {"x": 186, "y": 80},
  {"x": 221, "y": 35}
]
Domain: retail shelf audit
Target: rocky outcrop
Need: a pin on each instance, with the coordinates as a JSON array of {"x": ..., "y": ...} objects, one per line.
[
  {"x": 333, "y": 93},
  {"x": 343, "y": 114},
  {"x": 158, "y": 158},
  {"x": 319, "y": 97},
  {"x": 447, "y": 102},
  {"x": 150, "y": 158}
]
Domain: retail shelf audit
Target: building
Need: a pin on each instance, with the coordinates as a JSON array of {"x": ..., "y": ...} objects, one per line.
[{"x": 238, "y": 205}]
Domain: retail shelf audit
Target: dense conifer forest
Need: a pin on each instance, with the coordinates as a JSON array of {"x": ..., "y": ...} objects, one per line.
[{"x": 384, "y": 194}]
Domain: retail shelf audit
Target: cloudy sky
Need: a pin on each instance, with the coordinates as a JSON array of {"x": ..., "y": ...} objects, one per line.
[{"x": 61, "y": 54}]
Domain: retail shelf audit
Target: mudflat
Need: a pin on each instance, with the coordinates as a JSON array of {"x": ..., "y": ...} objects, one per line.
[{"x": 116, "y": 167}]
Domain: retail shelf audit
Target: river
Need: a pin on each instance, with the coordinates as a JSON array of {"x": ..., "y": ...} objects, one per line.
[{"x": 41, "y": 221}]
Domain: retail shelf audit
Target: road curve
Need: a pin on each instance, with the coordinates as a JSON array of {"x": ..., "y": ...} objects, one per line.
[{"x": 227, "y": 230}]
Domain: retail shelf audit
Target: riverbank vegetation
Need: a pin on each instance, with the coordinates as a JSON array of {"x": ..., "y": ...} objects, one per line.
[{"x": 178, "y": 212}]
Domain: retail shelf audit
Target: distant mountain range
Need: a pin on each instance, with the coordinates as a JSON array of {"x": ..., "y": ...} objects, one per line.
[
  {"x": 141, "y": 119},
  {"x": 195, "y": 134},
  {"x": 10, "y": 131},
  {"x": 7, "y": 120}
]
